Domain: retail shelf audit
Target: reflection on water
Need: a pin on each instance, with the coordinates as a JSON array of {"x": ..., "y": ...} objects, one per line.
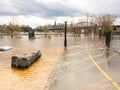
[
  {"x": 107, "y": 53},
  {"x": 35, "y": 77}
]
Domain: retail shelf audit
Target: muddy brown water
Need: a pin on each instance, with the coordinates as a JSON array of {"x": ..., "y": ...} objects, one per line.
[
  {"x": 56, "y": 63},
  {"x": 36, "y": 76}
]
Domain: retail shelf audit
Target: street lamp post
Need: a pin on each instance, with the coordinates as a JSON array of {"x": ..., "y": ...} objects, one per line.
[{"x": 65, "y": 34}]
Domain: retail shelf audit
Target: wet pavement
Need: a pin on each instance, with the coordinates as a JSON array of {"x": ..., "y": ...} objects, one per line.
[
  {"x": 60, "y": 68},
  {"x": 75, "y": 71}
]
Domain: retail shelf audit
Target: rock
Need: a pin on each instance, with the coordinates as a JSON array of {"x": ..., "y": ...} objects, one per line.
[{"x": 25, "y": 60}]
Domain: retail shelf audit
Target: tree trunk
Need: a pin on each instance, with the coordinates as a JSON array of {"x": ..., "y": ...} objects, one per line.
[{"x": 26, "y": 60}]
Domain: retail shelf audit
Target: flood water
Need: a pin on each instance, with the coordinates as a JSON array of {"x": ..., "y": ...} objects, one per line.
[
  {"x": 58, "y": 68},
  {"x": 75, "y": 71},
  {"x": 36, "y": 76}
]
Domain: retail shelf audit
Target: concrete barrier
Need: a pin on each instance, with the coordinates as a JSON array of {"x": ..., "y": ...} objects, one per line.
[{"x": 25, "y": 60}]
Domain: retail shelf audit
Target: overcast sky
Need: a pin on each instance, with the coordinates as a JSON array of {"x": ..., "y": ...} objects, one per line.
[{"x": 40, "y": 12}]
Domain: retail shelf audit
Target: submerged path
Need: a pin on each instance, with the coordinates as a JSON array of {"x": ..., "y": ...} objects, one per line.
[{"x": 87, "y": 66}]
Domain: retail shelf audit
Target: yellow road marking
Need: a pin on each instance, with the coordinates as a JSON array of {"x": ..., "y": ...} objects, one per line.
[{"x": 103, "y": 72}]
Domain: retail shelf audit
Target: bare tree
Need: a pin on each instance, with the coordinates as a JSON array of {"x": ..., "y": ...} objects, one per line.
[
  {"x": 105, "y": 22},
  {"x": 12, "y": 28}
]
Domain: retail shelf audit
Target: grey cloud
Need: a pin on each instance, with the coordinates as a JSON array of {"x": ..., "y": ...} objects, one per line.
[
  {"x": 56, "y": 9},
  {"x": 104, "y": 7},
  {"x": 5, "y": 8},
  {"x": 32, "y": 7}
]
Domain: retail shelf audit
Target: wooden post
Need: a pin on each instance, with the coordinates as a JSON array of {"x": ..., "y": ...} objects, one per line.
[
  {"x": 65, "y": 32},
  {"x": 108, "y": 38}
]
